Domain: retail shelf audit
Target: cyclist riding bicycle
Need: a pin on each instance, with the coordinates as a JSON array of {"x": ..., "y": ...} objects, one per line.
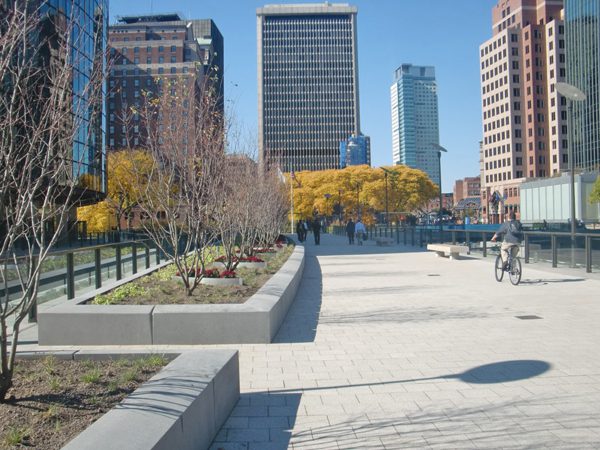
[{"x": 512, "y": 233}]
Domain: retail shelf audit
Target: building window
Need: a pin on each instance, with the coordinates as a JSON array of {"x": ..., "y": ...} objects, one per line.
[{"x": 173, "y": 48}]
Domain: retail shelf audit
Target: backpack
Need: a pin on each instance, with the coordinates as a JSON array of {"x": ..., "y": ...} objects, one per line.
[{"x": 516, "y": 229}]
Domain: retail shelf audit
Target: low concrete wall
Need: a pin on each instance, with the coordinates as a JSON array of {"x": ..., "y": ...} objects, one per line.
[
  {"x": 182, "y": 407},
  {"x": 255, "y": 321}
]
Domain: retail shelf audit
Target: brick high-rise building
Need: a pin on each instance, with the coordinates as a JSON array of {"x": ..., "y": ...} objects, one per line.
[
  {"x": 144, "y": 48},
  {"x": 466, "y": 188},
  {"x": 307, "y": 84},
  {"x": 524, "y": 118}
]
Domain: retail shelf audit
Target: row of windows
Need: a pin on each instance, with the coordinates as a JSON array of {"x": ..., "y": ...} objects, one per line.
[
  {"x": 126, "y": 50},
  {"x": 502, "y": 176},
  {"x": 497, "y": 164}
]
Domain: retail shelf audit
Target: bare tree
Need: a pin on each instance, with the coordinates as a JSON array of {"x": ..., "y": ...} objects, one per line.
[
  {"x": 180, "y": 194},
  {"x": 41, "y": 177}
]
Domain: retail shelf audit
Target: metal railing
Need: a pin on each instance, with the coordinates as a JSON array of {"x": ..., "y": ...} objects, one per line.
[
  {"x": 71, "y": 272},
  {"x": 553, "y": 247}
]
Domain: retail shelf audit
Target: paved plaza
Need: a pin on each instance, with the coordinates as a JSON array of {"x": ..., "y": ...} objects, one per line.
[{"x": 394, "y": 348}]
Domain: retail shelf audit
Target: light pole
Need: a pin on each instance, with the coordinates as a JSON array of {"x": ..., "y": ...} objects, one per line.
[
  {"x": 440, "y": 149},
  {"x": 571, "y": 93},
  {"x": 387, "y": 216},
  {"x": 357, "y": 200},
  {"x": 340, "y": 205},
  {"x": 327, "y": 197}
]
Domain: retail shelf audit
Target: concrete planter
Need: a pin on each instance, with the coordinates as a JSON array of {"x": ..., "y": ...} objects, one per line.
[
  {"x": 222, "y": 281},
  {"x": 255, "y": 321},
  {"x": 252, "y": 265},
  {"x": 182, "y": 407}
]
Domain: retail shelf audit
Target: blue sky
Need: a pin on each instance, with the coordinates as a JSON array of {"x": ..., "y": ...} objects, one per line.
[{"x": 442, "y": 33}]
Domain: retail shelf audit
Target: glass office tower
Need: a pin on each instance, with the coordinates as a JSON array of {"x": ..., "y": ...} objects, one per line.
[
  {"x": 415, "y": 122},
  {"x": 87, "y": 23},
  {"x": 307, "y": 84},
  {"x": 582, "y": 33}
]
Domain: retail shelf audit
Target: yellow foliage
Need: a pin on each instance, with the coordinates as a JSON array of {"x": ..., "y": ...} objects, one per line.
[
  {"x": 126, "y": 171},
  {"x": 99, "y": 217},
  {"x": 361, "y": 188}
]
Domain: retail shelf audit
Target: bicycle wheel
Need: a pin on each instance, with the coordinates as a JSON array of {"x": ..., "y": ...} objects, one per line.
[
  {"x": 515, "y": 271},
  {"x": 499, "y": 271}
]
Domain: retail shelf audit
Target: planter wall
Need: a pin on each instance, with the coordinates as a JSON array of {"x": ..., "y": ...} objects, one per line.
[
  {"x": 255, "y": 321},
  {"x": 182, "y": 407}
]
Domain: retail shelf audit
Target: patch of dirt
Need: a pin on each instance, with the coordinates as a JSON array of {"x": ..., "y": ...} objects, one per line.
[
  {"x": 53, "y": 400},
  {"x": 165, "y": 287}
]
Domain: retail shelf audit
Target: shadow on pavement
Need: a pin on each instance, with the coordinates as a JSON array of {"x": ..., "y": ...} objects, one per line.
[
  {"x": 300, "y": 324},
  {"x": 262, "y": 419},
  {"x": 498, "y": 372},
  {"x": 540, "y": 282}
]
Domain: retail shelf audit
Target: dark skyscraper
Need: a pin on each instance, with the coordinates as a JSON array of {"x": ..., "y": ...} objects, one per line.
[{"x": 307, "y": 84}]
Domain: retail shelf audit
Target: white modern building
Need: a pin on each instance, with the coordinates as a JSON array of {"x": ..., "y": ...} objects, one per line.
[
  {"x": 307, "y": 84},
  {"x": 415, "y": 120}
]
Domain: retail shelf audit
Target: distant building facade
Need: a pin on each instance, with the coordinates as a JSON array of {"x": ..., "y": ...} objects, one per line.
[
  {"x": 466, "y": 188},
  {"x": 146, "y": 48},
  {"x": 307, "y": 84},
  {"x": 415, "y": 119},
  {"x": 524, "y": 117},
  {"x": 582, "y": 33},
  {"x": 355, "y": 151}
]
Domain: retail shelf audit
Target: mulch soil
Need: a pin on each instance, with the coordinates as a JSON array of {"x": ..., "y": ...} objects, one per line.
[
  {"x": 165, "y": 287},
  {"x": 53, "y": 400}
]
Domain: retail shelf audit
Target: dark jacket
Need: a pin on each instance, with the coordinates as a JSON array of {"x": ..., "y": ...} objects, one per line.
[
  {"x": 512, "y": 232},
  {"x": 316, "y": 226},
  {"x": 350, "y": 227}
]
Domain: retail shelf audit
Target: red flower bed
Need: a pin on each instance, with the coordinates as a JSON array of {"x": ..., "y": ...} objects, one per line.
[
  {"x": 251, "y": 259},
  {"x": 228, "y": 274}
]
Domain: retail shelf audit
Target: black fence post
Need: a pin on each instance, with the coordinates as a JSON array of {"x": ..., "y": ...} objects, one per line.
[
  {"x": 420, "y": 238},
  {"x": 588, "y": 254},
  {"x": 412, "y": 234},
  {"x": 118, "y": 262},
  {"x": 157, "y": 255},
  {"x": 147, "y": 251},
  {"x": 133, "y": 258},
  {"x": 98, "y": 268},
  {"x": 484, "y": 243},
  {"x": 32, "y": 316},
  {"x": 70, "y": 276},
  {"x": 453, "y": 237},
  {"x": 397, "y": 233},
  {"x": 554, "y": 251},
  {"x": 526, "y": 244}
]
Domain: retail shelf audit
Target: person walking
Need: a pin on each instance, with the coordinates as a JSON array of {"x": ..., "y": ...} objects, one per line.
[
  {"x": 360, "y": 230},
  {"x": 350, "y": 231},
  {"x": 316, "y": 227},
  {"x": 300, "y": 230}
]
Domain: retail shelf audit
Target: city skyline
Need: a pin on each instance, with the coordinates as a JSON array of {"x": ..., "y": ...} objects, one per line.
[{"x": 389, "y": 34}]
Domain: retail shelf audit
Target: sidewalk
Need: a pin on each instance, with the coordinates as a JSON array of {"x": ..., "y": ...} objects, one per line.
[
  {"x": 391, "y": 347},
  {"x": 395, "y": 348}
]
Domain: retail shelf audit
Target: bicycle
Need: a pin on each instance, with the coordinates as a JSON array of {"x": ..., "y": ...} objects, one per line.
[{"x": 513, "y": 268}]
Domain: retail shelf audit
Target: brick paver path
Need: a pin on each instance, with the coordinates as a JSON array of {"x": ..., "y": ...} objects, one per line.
[{"x": 394, "y": 348}]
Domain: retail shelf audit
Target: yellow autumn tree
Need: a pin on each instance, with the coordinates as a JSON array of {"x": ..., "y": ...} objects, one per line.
[
  {"x": 123, "y": 194},
  {"x": 361, "y": 189}
]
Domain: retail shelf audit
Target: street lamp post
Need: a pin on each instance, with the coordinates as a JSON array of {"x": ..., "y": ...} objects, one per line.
[
  {"x": 327, "y": 197},
  {"x": 440, "y": 149},
  {"x": 340, "y": 205},
  {"x": 357, "y": 200},
  {"x": 387, "y": 212},
  {"x": 571, "y": 93}
]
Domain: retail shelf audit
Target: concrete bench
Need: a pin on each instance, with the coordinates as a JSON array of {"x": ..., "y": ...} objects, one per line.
[
  {"x": 448, "y": 249},
  {"x": 382, "y": 241}
]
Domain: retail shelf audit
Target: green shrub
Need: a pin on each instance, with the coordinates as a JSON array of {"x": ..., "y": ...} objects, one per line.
[{"x": 119, "y": 294}]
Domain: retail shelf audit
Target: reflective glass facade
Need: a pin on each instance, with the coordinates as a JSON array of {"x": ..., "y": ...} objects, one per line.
[
  {"x": 87, "y": 22},
  {"x": 582, "y": 32},
  {"x": 415, "y": 122},
  {"x": 355, "y": 151},
  {"x": 308, "y": 86}
]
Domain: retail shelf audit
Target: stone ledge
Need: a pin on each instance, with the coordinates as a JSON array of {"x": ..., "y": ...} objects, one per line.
[
  {"x": 181, "y": 407},
  {"x": 255, "y": 321}
]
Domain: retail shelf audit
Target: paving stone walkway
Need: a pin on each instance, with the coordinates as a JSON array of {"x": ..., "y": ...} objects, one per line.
[{"x": 393, "y": 348}]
